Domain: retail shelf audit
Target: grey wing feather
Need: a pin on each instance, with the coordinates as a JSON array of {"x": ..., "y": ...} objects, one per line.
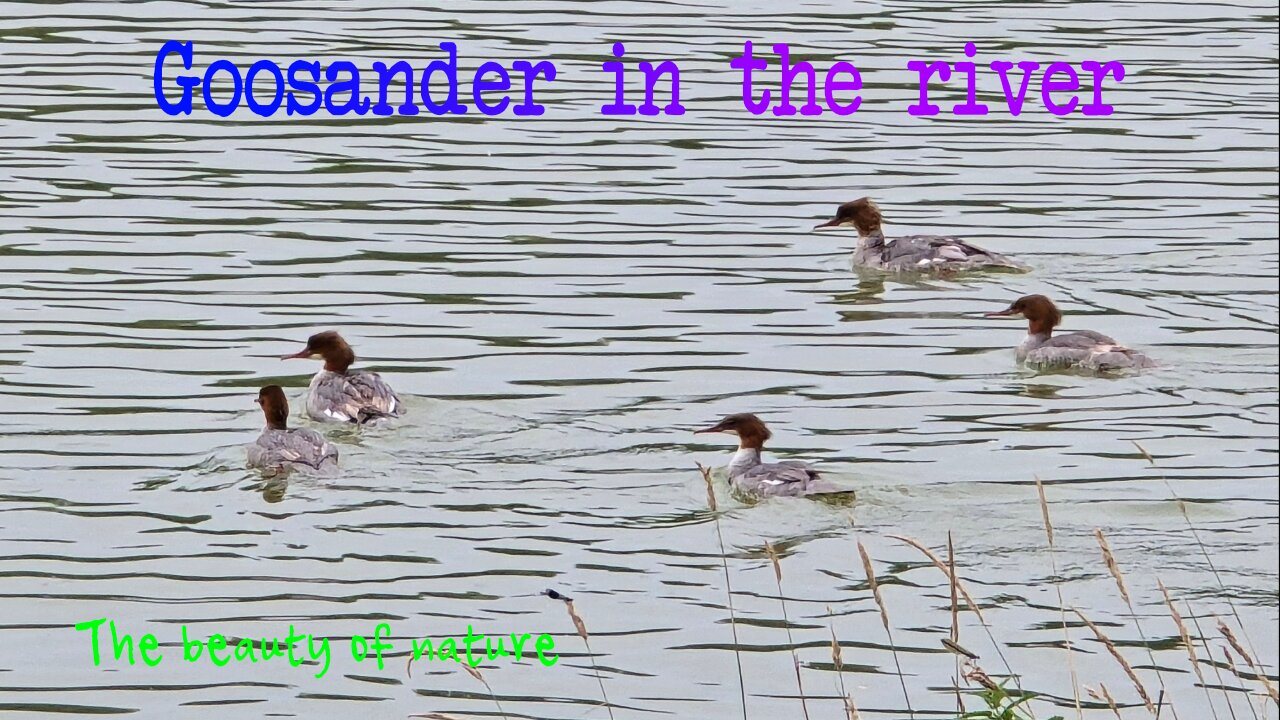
[
  {"x": 788, "y": 478},
  {"x": 1085, "y": 339},
  {"x": 356, "y": 396},
  {"x": 1121, "y": 359},
  {"x": 294, "y": 447},
  {"x": 1088, "y": 350},
  {"x": 1057, "y": 357},
  {"x": 938, "y": 252},
  {"x": 783, "y": 472},
  {"x": 378, "y": 397},
  {"x": 312, "y": 448},
  {"x": 1067, "y": 350}
]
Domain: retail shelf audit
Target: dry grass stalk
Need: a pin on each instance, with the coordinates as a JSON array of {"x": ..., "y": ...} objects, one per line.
[
  {"x": 795, "y": 659},
  {"x": 1231, "y": 663},
  {"x": 968, "y": 601},
  {"x": 711, "y": 489},
  {"x": 475, "y": 673},
  {"x": 1182, "y": 632},
  {"x": 1208, "y": 653},
  {"x": 1062, "y": 609},
  {"x": 1044, "y": 511},
  {"x": 1266, "y": 682},
  {"x": 1113, "y": 567},
  {"x": 884, "y": 619},
  {"x": 942, "y": 565},
  {"x": 1231, "y": 638},
  {"x": 578, "y": 625},
  {"x": 955, "y": 614},
  {"x": 772, "y": 552},
  {"x": 1204, "y": 552},
  {"x": 973, "y": 673},
  {"x": 1124, "y": 664},
  {"x": 955, "y": 604},
  {"x": 959, "y": 649},
  {"x": 728, "y": 588},
  {"x": 1190, "y": 646},
  {"x": 837, "y": 659},
  {"x": 875, "y": 586},
  {"x": 581, "y": 627},
  {"x": 1106, "y": 697}
]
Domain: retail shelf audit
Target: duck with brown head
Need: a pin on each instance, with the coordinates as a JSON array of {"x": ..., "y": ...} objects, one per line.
[
  {"x": 749, "y": 474},
  {"x": 935, "y": 254},
  {"x": 1081, "y": 350},
  {"x": 340, "y": 394},
  {"x": 281, "y": 447}
]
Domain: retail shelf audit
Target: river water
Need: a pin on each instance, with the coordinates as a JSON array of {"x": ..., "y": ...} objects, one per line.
[{"x": 561, "y": 300}]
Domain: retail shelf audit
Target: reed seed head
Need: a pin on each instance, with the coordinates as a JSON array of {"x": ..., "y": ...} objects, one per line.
[
  {"x": 1044, "y": 511},
  {"x": 773, "y": 557},
  {"x": 1124, "y": 664},
  {"x": 1112, "y": 567},
  {"x": 711, "y": 489},
  {"x": 973, "y": 673},
  {"x": 875, "y": 586},
  {"x": 580, "y": 626},
  {"x": 1111, "y": 701},
  {"x": 1248, "y": 659},
  {"x": 1182, "y": 632}
]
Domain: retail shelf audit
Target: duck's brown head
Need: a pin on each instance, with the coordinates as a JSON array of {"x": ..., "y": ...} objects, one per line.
[
  {"x": 337, "y": 354},
  {"x": 862, "y": 214},
  {"x": 750, "y": 430},
  {"x": 1041, "y": 314},
  {"x": 275, "y": 406}
]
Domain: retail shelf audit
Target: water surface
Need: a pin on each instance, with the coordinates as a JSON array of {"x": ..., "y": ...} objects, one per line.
[{"x": 560, "y": 300}]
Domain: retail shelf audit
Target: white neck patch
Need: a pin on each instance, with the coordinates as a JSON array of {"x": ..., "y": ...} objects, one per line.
[{"x": 743, "y": 460}]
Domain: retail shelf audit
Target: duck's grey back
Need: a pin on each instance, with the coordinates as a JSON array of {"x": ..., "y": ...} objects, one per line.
[
  {"x": 931, "y": 253},
  {"x": 788, "y": 478},
  {"x": 1084, "y": 349},
  {"x": 927, "y": 253},
  {"x": 355, "y": 396},
  {"x": 294, "y": 446}
]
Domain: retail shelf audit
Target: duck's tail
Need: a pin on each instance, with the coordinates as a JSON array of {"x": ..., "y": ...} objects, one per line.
[
  {"x": 996, "y": 261},
  {"x": 368, "y": 416},
  {"x": 1122, "y": 358},
  {"x": 819, "y": 485}
]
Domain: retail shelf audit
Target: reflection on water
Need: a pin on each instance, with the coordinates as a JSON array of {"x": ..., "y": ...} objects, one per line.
[{"x": 561, "y": 300}]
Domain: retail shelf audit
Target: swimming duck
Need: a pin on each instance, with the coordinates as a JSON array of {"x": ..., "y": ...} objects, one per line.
[
  {"x": 912, "y": 253},
  {"x": 749, "y": 474},
  {"x": 282, "y": 447},
  {"x": 340, "y": 394},
  {"x": 1082, "y": 350}
]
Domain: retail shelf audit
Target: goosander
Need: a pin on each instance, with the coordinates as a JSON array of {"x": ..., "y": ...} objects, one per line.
[
  {"x": 749, "y": 474},
  {"x": 340, "y": 394},
  {"x": 912, "y": 253},
  {"x": 282, "y": 447},
  {"x": 1082, "y": 350}
]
